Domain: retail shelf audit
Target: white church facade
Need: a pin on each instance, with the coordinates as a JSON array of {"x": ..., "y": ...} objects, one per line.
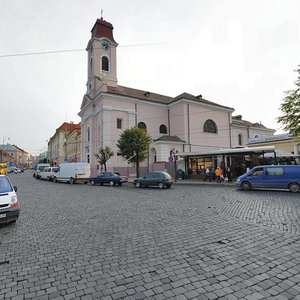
[{"x": 184, "y": 124}]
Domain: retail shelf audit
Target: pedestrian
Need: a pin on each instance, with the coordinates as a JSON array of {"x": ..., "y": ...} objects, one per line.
[
  {"x": 207, "y": 175},
  {"x": 229, "y": 176},
  {"x": 218, "y": 173}
]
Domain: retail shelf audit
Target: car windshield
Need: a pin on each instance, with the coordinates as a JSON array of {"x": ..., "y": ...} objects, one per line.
[
  {"x": 5, "y": 186},
  {"x": 167, "y": 175}
]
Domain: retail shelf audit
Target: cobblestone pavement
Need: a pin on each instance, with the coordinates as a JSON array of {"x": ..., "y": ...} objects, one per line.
[{"x": 187, "y": 242}]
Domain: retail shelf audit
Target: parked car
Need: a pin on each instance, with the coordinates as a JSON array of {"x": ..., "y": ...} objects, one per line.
[
  {"x": 271, "y": 177},
  {"x": 9, "y": 204},
  {"x": 160, "y": 179},
  {"x": 17, "y": 170},
  {"x": 123, "y": 177},
  {"x": 73, "y": 172},
  {"x": 110, "y": 178},
  {"x": 48, "y": 173},
  {"x": 10, "y": 169},
  {"x": 38, "y": 169}
]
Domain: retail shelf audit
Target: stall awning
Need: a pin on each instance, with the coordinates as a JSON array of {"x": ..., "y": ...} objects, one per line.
[
  {"x": 231, "y": 151},
  {"x": 281, "y": 153}
]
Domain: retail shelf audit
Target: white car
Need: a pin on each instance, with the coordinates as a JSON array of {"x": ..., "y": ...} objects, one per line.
[
  {"x": 48, "y": 173},
  {"x": 9, "y": 204}
]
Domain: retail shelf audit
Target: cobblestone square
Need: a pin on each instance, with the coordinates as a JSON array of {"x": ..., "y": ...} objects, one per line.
[{"x": 188, "y": 242}]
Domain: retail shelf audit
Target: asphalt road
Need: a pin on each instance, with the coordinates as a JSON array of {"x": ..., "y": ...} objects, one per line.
[{"x": 187, "y": 242}]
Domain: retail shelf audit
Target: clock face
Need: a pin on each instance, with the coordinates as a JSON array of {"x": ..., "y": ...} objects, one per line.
[{"x": 105, "y": 45}]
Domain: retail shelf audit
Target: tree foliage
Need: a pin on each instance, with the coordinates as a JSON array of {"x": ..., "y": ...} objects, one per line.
[
  {"x": 290, "y": 108},
  {"x": 134, "y": 146},
  {"x": 103, "y": 155}
]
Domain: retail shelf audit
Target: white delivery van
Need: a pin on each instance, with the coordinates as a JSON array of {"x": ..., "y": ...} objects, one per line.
[
  {"x": 73, "y": 172},
  {"x": 38, "y": 169},
  {"x": 48, "y": 173}
]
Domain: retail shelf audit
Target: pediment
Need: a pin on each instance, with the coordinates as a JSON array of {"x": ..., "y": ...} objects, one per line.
[{"x": 85, "y": 101}]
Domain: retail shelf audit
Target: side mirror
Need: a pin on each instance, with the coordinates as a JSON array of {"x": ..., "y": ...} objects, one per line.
[{"x": 15, "y": 188}]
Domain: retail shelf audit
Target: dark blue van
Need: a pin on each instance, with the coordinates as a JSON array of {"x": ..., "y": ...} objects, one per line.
[{"x": 271, "y": 177}]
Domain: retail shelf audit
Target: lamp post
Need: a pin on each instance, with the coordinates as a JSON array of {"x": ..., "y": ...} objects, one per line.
[{"x": 174, "y": 154}]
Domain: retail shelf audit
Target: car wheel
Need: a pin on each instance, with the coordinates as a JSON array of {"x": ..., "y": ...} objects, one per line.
[
  {"x": 294, "y": 187},
  {"x": 246, "y": 186},
  {"x": 120, "y": 183},
  {"x": 54, "y": 179},
  {"x": 161, "y": 185},
  {"x": 72, "y": 181},
  {"x": 168, "y": 186},
  {"x": 92, "y": 182},
  {"x": 48, "y": 178},
  {"x": 111, "y": 183},
  {"x": 138, "y": 185}
]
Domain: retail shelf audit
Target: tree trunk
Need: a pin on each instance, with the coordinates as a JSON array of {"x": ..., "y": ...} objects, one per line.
[{"x": 137, "y": 166}]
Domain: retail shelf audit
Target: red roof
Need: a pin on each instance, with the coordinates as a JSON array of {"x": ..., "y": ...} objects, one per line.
[{"x": 103, "y": 29}]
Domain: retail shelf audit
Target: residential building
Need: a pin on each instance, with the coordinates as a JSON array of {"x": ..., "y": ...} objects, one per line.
[
  {"x": 185, "y": 124},
  {"x": 57, "y": 150},
  {"x": 5, "y": 157},
  {"x": 73, "y": 144},
  {"x": 16, "y": 155}
]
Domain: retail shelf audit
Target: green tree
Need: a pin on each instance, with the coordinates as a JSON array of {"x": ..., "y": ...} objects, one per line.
[
  {"x": 290, "y": 108},
  {"x": 103, "y": 155},
  {"x": 134, "y": 146}
]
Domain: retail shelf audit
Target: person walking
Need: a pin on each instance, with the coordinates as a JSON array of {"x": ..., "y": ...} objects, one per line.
[
  {"x": 207, "y": 175},
  {"x": 218, "y": 174}
]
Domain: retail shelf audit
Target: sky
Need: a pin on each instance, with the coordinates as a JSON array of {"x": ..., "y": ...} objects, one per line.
[{"x": 238, "y": 53}]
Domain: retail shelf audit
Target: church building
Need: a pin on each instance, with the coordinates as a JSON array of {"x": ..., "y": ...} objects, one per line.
[{"x": 180, "y": 125}]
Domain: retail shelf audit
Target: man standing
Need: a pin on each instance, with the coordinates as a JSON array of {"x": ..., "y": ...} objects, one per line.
[{"x": 218, "y": 173}]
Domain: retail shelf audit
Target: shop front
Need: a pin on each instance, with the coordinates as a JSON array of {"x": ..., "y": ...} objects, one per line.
[{"x": 236, "y": 161}]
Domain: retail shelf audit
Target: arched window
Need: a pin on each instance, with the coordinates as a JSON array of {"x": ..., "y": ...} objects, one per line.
[
  {"x": 142, "y": 125},
  {"x": 105, "y": 64},
  {"x": 163, "y": 129},
  {"x": 240, "y": 138},
  {"x": 210, "y": 126}
]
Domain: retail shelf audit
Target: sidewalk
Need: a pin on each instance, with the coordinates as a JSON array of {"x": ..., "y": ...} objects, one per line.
[
  {"x": 201, "y": 182},
  {"x": 195, "y": 182}
]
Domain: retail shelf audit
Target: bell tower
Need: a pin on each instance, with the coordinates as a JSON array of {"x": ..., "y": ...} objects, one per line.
[{"x": 102, "y": 58}]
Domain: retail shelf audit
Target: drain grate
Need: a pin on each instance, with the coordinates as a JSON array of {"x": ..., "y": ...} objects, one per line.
[{"x": 4, "y": 262}]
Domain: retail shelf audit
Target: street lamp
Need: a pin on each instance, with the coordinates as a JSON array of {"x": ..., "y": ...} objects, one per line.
[{"x": 175, "y": 157}]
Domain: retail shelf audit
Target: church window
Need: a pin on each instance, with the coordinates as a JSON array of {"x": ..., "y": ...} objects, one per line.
[
  {"x": 163, "y": 129},
  {"x": 142, "y": 125},
  {"x": 105, "y": 64},
  {"x": 119, "y": 123},
  {"x": 240, "y": 139},
  {"x": 210, "y": 126},
  {"x": 91, "y": 65},
  {"x": 88, "y": 134}
]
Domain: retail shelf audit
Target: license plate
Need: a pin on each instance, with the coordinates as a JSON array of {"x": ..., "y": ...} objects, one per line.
[{"x": 2, "y": 216}]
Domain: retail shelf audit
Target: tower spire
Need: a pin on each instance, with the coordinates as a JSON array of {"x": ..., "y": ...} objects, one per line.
[{"x": 101, "y": 14}]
